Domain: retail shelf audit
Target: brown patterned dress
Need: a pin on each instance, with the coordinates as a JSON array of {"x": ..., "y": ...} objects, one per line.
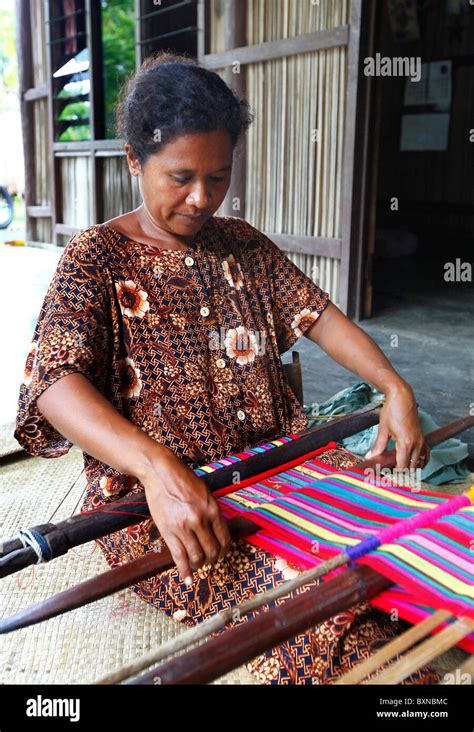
[{"x": 186, "y": 344}]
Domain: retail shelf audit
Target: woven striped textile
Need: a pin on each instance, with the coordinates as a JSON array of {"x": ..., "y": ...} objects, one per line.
[{"x": 311, "y": 512}]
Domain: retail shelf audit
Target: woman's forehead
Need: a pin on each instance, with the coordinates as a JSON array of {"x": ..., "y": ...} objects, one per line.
[{"x": 184, "y": 152}]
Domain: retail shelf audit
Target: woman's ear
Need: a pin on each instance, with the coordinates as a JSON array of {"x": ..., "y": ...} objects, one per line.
[{"x": 133, "y": 164}]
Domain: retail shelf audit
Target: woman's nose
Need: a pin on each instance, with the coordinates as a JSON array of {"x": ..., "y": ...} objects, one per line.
[{"x": 199, "y": 196}]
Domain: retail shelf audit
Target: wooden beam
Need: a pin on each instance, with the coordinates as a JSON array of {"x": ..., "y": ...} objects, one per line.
[
  {"x": 349, "y": 145},
  {"x": 306, "y": 43},
  {"x": 201, "y": 32},
  {"x": 26, "y": 83},
  {"x": 66, "y": 230},
  {"x": 138, "y": 35},
  {"x": 39, "y": 212},
  {"x": 316, "y": 245},
  {"x": 85, "y": 146},
  {"x": 235, "y": 29},
  {"x": 55, "y": 172},
  {"x": 96, "y": 96}
]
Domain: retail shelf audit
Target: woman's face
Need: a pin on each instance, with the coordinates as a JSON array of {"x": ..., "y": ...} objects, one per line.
[{"x": 185, "y": 183}]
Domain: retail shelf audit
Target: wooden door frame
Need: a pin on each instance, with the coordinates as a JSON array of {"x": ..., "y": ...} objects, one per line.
[{"x": 362, "y": 219}]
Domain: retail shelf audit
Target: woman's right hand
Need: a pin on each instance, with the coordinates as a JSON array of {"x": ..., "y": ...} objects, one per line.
[{"x": 186, "y": 514}]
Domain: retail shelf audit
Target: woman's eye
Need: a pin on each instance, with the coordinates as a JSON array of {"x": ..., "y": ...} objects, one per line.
[{"x": 182, "y": 181}]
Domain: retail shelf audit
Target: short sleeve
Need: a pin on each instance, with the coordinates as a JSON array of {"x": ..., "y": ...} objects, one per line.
[
  {"x": 296, "y": 301},
  {"x": 72, "y": 335}
]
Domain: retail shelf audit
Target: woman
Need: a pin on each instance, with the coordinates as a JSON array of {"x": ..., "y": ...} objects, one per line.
[{"x": 158, "y": 349}]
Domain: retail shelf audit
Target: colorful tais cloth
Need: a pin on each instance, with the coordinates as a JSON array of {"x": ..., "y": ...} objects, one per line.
[{"x": 313, "y": 512}]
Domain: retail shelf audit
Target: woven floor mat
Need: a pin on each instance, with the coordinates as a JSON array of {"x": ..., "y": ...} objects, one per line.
[
  {"x": 8, "y": 444},
  {"x": 85, "y": 644}
]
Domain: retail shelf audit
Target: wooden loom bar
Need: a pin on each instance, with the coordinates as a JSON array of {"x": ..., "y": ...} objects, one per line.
[
  {"x": 107, "y": 583},
  {"x": 424, "y": 653},
  {"x": 243, "y": 642},
  {"x": 398, "y": 645}
]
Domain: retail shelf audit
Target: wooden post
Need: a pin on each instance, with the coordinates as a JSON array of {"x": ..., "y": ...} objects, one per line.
[
  {"x": 349, "y": 151},
  {"x": 235, "y": 24},
  {"x": 25, "y": 77}
]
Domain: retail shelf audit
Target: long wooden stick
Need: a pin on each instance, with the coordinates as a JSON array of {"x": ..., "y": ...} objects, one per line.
[
  {"x": 133, "y": 508},
  {"x": 220, "y": 620},
  {"x": 424, "y": 653},
  {"x": 398, "y": 645},
  {"x": 240, "y": 644}
]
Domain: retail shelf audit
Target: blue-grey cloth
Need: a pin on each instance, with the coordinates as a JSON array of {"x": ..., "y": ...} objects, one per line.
[{"x": 446, "y": 459}]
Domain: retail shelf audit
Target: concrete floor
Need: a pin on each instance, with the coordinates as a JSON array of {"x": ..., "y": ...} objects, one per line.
[{"x": 434, "y": 323}]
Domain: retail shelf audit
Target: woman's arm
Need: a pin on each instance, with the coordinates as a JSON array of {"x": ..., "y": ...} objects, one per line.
[
  {"x": 350, "y": 346},
  {"x": 186, "y": 514}
]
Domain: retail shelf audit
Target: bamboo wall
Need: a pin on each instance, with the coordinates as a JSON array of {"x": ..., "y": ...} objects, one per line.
[
  {"x": 74, "y": 183},
  {"x": 295, "y": 146},
  {"x": 120, "y": 189}
]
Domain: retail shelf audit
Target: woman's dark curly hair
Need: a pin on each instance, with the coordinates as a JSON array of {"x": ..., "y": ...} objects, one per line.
[{"x": 170, "y": 96}]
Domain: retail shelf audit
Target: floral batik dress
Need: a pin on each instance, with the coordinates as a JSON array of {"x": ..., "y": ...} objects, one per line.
[{"x": 186, "y": 344}]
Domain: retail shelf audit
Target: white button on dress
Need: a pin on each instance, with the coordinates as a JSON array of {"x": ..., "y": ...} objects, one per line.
[
  {"x": 189, "y": 261},
  {"x": 241, "y": 415},
  {"x": 204, "y": 312},
  {"x": 220, "y": 363}
]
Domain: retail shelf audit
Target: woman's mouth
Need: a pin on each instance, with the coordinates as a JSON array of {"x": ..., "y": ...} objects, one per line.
[{"x": 193, "y": 217}]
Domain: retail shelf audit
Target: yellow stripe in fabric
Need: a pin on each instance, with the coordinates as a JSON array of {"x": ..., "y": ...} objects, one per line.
[
  {"x": 470, "y": 494},
  {"x": 431, "y": 570},
  {"x": 207, "y": 468},
  {"x": 242, "y": 501},
  {"x": 309, "y": 526},
  {"x": 312, "y": 472},
  {"x": 381, "y": 492}
]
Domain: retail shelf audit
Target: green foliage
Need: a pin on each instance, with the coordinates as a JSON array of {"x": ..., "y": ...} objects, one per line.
[
  {"x": 72, "y": 134},
  {"x": 118, "y": 33},
  {"x": 76, "y": 110}
]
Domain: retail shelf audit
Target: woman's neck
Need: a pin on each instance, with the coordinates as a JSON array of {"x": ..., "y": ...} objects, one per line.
[{"x": 150, "y": 232}]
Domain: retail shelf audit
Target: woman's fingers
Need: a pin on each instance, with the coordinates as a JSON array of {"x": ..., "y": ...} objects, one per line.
[
  {"x": 403, "y": 451},
  {"x": 210, "y": 546},
  {"x": 221, "y": 532},
  {"x": 180, "y": 558},
  {"x": 383, "y": 437},
  {"x": 420, "y": 456}
]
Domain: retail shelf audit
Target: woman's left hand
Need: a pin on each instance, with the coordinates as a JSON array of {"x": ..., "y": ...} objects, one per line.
[{"x": 399, "y": 420}]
